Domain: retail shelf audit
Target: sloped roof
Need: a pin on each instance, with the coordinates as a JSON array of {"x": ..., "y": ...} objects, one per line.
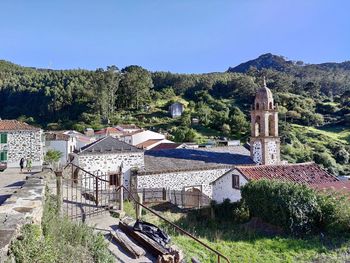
[
  {"x": 336, "y": 186},
  {"x": 108, "y": 130},
  {"x": 305, "y": 173},
  {"x": 166, "y": 146},
  {"x": 108, "y": 145},
  {"x": 192, "y": 159},
  {"x": 14, "y": 125},
  {"x": 56, "y": 136},
  {"x": 148, "y": 143}
]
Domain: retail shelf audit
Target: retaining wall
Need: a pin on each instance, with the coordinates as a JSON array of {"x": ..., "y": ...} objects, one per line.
[{"x": 24, "y": 207}]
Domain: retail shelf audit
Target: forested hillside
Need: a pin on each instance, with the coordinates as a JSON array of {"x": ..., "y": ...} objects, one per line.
[{"x": 317, "y": 96}]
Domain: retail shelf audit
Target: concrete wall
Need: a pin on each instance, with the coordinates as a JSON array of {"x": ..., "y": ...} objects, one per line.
[
  {"x": 140, "y": 137},
  {"x": 26, "y": 144},
  {"x": 222, "y": 188},
  {"x": 180, "y": 180},
  {"x": 102, "y": 163}
]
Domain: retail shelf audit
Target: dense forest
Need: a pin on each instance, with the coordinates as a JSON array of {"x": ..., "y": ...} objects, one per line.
[{"x": 312, "y": 95}]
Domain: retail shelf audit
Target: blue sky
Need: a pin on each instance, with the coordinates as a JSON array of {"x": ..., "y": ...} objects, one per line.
[{"x": 190, "y": 36}]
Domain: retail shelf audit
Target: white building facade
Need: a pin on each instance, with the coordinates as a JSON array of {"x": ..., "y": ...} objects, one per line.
[{"x": 20, "y": 140}]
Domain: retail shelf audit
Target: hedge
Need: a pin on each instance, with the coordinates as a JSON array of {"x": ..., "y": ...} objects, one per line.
[{"x": 296, "y": 208}]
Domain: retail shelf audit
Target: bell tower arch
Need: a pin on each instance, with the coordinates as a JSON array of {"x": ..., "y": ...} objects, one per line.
[{"x": 264, "y": 140}]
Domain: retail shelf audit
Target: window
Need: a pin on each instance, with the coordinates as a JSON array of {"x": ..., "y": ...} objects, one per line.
[
  {"x": 3, "y": 156},
  {"x": 3, "y": 137},
  {"x": 235, "y": 181},
  {"x": 114, "y": 179}
]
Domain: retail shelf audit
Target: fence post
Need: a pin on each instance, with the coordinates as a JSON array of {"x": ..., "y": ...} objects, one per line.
[
  {"x": 138, "y": 207},
  {"x": 96, "y": 190},
  {"x": 182, "y": 198},
  {"x": 121, "y": 193},
  {"x": 59, "y": 191}
]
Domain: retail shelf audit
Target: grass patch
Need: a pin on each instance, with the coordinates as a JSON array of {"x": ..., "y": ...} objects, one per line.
[
  {"x": 59, "y": 240},
  {"x": 340, "y": 133},
  {"x": 242, "y": 245}
]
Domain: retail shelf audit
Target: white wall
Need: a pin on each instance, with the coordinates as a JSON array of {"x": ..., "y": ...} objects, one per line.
[
  {"x": 144, "y": 136},
  {"x": 222, "y": 188},
  {"x": 98, "y": 163},
  {"x": 65, "y": 147},
  {"x": 180, "y": 180},
  {"x": 60, "y": 146}
]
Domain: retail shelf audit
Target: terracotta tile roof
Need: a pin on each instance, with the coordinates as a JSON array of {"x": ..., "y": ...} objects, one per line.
[
  {"x": 56, "y": 136},
  {"x": 166, "y": 146},
  {"x": 14, "y": 125},
  {"x": 108, "y": 130},
  {"x": 132, "y": 133},
  {"x": 336, "y": 186},
  {"x": 148, "y": 143},
  {"x": 306, "y": 173}
]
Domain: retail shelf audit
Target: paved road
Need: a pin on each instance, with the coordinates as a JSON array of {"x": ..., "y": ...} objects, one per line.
[{"x": 10, "y": 180}]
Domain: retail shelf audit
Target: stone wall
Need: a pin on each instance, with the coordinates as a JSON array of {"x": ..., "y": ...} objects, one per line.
[
  {"x": 102, "y": 163},
  {"x": 179, "y": 180},
  {"x": 26, "y": 144},
  {"x": 23, "y": 207}
]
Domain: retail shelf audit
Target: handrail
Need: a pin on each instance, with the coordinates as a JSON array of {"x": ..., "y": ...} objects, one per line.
[
  {"x": 174, "y": 225},
  {"x": 156, "y": 214}
]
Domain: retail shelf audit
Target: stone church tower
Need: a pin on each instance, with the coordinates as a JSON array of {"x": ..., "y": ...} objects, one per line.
[{"x": 264, "y": 140}]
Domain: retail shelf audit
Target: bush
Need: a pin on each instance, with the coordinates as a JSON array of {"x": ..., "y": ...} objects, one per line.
[
  {"x": 291, "y": 206},
  {"x": 227, "y": 211},
  {"x": 297, "y": 208}
]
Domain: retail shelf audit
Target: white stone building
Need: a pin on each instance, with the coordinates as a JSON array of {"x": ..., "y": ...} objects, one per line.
[
  {"x": 188, "y": 169},
  {"x": 229, "y": 184},
  {"x": 20, "y": 140},
  {"x": 108, "y": 156}
]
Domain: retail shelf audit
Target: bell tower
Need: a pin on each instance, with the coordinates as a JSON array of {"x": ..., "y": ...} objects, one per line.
[{"x": 264, "y": 140}]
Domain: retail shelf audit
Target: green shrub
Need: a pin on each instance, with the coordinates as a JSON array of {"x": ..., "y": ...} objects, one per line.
[
  {"x": 236, "y": 212},
  {"x": 293, "y": 207},
  {"x": 335, "y": 212},
  {"x": 297, "y": 208}
]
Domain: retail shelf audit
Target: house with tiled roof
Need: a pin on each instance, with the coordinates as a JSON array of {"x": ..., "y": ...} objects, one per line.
[
  {"x": 228, "y": 185},
  {"x": 20, "y": 140}
]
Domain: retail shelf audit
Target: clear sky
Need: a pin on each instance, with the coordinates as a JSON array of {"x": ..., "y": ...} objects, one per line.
[{"x": 172, "y": 35}]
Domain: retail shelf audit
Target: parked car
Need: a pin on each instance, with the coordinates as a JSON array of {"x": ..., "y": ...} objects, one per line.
[{"x": 3, "y": 166}]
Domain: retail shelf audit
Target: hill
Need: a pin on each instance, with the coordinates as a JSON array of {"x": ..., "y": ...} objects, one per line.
[{"x": 315, "y": 96}]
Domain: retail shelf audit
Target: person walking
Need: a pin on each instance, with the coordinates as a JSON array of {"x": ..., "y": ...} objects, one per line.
[
  {"x": 21, "y": 164},
  {"x": 29, "y": 165}
]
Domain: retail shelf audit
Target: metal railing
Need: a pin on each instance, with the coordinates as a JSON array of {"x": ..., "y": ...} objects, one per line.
[{"x": 177, "y": 228}]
